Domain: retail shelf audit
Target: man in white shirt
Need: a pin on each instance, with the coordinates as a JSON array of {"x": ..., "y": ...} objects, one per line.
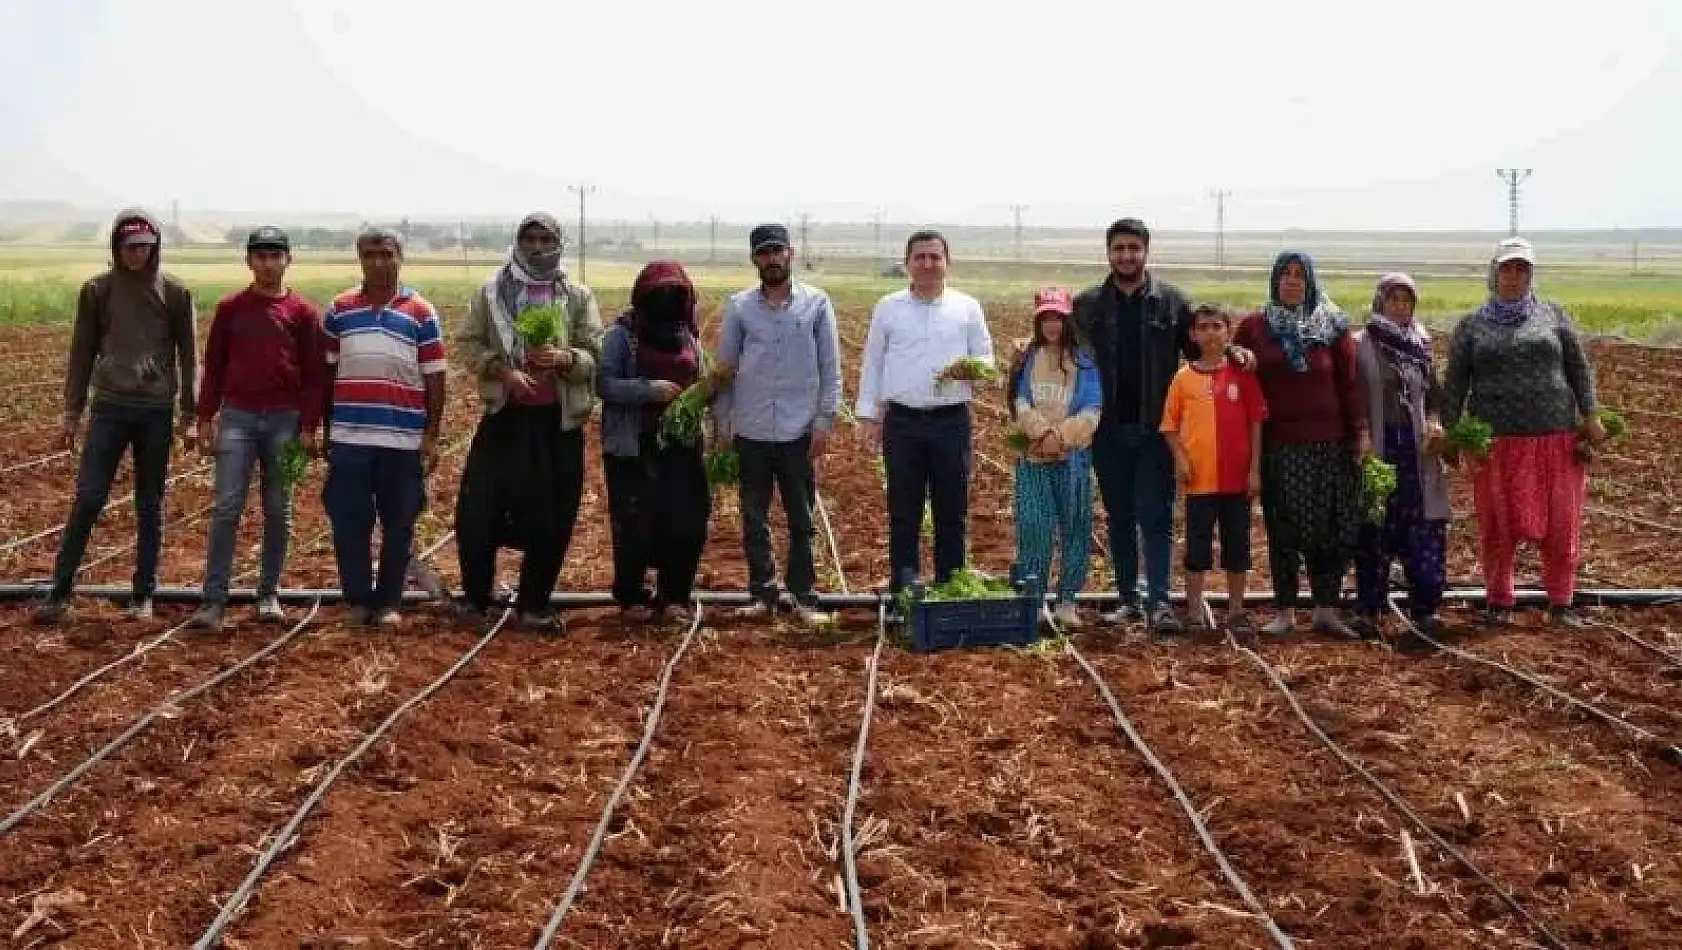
[{"x": 914, "y": 402}]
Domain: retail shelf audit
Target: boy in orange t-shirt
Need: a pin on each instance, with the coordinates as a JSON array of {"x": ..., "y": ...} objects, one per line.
[{"x": 1212, "y": 419}]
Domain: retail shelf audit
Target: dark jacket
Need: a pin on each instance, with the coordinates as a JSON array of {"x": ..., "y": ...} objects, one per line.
[{"x": 1165, "y": 336}]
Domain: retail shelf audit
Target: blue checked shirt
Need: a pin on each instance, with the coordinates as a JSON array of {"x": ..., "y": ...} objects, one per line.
[{"x": 788, "y": 365}]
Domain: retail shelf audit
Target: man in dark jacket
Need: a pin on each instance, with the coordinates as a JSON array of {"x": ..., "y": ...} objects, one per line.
[
  {"x": 133, "y": 346},
  {"x": 1138, "y": 328}
]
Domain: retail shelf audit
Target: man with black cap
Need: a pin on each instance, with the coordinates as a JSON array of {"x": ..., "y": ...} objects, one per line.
[
  {"x": 779, "y": 353},
  {"x": 264, "y": 374},
  {"x": 133, "y": 347}
]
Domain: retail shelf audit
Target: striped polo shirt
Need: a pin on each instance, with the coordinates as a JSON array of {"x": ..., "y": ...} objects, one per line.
[{"x": 381, "y": 355}]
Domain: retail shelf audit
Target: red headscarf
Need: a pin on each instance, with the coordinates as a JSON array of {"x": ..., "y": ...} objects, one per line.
[{"x": 663, "y": 325}]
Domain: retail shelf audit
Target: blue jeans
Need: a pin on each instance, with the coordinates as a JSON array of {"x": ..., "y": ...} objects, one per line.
[
  {"x": 1136, "y": 480},
  {"x": 365, "y": 483},
  {"x": 246, "y": 440},
  {"x": 113, "y": 430}
]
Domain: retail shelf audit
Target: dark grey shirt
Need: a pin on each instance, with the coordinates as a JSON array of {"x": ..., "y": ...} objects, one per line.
[{"x": 1531, "y": 379}]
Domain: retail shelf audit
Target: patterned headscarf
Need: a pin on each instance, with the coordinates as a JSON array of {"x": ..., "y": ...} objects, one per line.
[
  {"x": 1409, "y": 344},
  {"x": 1317, "y": 321},
  {"x": 527, "y": 280}
]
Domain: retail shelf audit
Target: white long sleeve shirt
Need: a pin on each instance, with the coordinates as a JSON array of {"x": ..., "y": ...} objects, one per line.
[{"x": 910, "y": 342}]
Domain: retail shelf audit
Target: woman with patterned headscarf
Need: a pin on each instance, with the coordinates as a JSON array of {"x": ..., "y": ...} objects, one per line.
[
  {"x": 537, "y": 387},
  {"x": 1398, "y": 376},
  {"x": 1518, "y": 365},
  {"x": 1312, "y": 441}
]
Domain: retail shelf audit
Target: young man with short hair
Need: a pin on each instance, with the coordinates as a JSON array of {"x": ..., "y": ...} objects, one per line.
[
  {"x": 386, "y": 352},
  {"x": 915, "y": 386},
  {"x": 779, "y": 350},
  {"x": 133, "y": 345},
  {"x": 263, "y": 387}
]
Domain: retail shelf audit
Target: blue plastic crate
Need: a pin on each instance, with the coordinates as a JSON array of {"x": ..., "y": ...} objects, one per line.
[{"x": 944, "y": 624}]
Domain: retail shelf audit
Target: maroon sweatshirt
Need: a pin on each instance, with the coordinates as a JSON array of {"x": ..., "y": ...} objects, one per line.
[
  {"x": 264, "y": 355},
  {"x": 1324, "y": 404}
]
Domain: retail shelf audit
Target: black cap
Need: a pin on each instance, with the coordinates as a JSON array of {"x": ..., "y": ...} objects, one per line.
[
  {"x": 268, "y": 238},
  {"x": 767, "y": 236}
]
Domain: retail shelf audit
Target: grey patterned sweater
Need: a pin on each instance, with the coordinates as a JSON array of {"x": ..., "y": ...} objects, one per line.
[{"x": 1531, "y": 379}]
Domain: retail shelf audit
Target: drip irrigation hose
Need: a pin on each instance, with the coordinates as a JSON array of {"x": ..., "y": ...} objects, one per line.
[
  {"x": 829, "y": 536},
  {"x": 140, "y": 725},
  {"x": 576, "y": 887},
  {"x": 11, "y": 546},
  {"x": 1233, "y": 879},
  {"x": 1666, "y": 750},
  {"x": 1644, "y": 644},
  {"x": 1396, "y": 801},
  {"x": 140, "y": 650},
  {"x": 849, "y": 859},
  {"x": 34, "y": 463},
  {"x": 283, "y": 839}
]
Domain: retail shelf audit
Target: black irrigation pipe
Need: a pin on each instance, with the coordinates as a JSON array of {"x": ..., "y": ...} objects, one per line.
[
  {"x": 35, "y": 462},
  {"x": 283, "y": 839},
  {"x": 1395, "y": 800},
  {"x": 140, "y": 725},
  {"x": 1644, "y": 644},
  {"x": 1668, "y": 751},
  {"x": 1233, "y": 878},
  {"x": 849, "y": 859},
  {"x": 576, "y": 887},
  {"x": 1632, "y": 519},
  {"x": 13, "y": 545},
  {"x": 140, "y": 649}
]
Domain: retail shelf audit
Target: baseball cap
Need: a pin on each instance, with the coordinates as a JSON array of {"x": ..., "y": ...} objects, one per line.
[
  {"x": 137, "y": 231},
  {"x": 1515, "y": 249},
  {"x": 767, "y": 236},
  {"x": 1053, "y": 300},
  {"x": 268, "y": 238}
]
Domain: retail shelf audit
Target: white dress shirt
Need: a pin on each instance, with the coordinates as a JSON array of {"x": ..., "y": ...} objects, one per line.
[{"x": 910, "y": 342}]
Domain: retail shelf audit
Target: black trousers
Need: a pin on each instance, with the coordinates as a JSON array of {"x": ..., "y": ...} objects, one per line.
[
  {"x": 928, "y": 457},
  {"x": 520, "y": 490},
  {"x": 786, "y": 469},
  {"x": 659, "y": 505}
]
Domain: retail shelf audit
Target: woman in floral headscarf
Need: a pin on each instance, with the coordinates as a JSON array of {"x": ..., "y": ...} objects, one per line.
[
  {"x": 1314, "y": 436},
  {"x": 1399, "y": 378},
  {"x": 525, "y": 468},
  {"x": 1517, "y": 364}
]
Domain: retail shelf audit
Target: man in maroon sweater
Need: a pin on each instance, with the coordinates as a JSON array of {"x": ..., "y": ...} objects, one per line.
[{"x": 264, "y": 373}]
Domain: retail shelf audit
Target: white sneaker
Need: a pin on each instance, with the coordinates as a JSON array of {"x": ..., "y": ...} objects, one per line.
[
  {"x": 813, "y": 617},
  {"x": 758, "y": 610},
  {"x": 1068, "y": 616},
  {"x": 269, "y": 610},
  {"x": 1123, "y": 615}
]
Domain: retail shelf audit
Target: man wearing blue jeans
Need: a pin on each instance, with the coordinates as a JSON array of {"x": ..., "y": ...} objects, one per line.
[
  {"x": 386, "y": 352},
  {"x": 133, "y": 347},
  {"x": 1137, "y": 328},
  {"x": 263, "y": 377}
]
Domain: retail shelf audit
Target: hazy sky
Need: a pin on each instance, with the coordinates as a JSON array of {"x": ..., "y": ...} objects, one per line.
[{"x": 1315, "y": 113}]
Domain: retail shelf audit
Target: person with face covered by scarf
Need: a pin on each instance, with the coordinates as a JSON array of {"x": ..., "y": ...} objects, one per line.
[
  {"x": 1398, "y": 376},
  {"x": 1314, "y": 437},
  {"x": 525, "y": 468},
  {"x": 659, "y": 502},
  {"x": 1518, "y": 364}
]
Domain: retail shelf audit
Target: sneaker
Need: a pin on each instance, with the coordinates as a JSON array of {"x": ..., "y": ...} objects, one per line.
[
  {"x": 269, "y": 610},
  {"x": 51, "y": 611},
  {"x": 424, "y": 577},
  {"x": 813, "y": 617},
  {"x": 1164, "y": 621},
  {"x": 1328, "y": 622},
  {"x": 541, "y": 621},
  {"x": 1565, "y": 618},
  {"x": 387, "y": 617},
  {"x": 139, "y": 609},
  {"x": 1068, "y": 616},
  {"x": 209, "y": 617},
  {"x": 758, "y": 610},
  {"x": 1124, "y": 615},
  {"x": 1281, "y": 625}
]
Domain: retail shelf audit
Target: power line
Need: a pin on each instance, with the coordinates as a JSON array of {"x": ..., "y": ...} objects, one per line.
[
  {"x": 582, "y": 191},
  {"x": 1220, "y": 195},
  {"x": 805, "y": 229},
  {"x": 712, "y": 252},
  {"x": 1017, "y": 210},
  {"x": 1513, "y": 177}
]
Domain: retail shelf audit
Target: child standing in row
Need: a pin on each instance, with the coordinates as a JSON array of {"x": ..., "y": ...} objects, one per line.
[{"x": 1212, "y": 419}]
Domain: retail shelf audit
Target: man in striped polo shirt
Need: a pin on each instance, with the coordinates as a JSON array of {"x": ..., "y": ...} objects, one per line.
[{"x": 386, "y": 352}]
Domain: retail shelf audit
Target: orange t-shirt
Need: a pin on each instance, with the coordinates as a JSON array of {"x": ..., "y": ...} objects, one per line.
[{"x": 1212, "y": 411}]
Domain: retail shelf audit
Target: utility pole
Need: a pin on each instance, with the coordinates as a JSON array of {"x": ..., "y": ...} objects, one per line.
[
  {"x": 582, "y": 191},
  {"x": 1220, "y": 195},
  {"x": 655, "y": 243},
  {"x": 876, "y": 228},
  {"x": 1016, "y": 210},
  {"x": 712, "y": 255},
  {"x": 805, "y": 230},
  {"x": 1513, "y": 177}
]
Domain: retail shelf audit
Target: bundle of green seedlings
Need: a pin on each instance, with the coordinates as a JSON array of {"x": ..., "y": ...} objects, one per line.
[
  {"x": 964, "y": 584},
  {"x": 1470, "y": 434},
  {"x": 294, "y": 462},
  {"x": 724, "y": 467},
  {"x": 541, "y": 326},
  {"x": 1378, "y": 481},
  {"x": 968, "y": 368},
  {"x": 680, "y": 422}
]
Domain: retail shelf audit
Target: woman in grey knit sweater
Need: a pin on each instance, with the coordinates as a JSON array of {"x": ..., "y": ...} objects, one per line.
[{"x": 1518, "y": 364}]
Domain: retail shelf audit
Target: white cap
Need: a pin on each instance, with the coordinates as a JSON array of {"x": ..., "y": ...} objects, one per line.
[{"x": 1515, "y": 249}]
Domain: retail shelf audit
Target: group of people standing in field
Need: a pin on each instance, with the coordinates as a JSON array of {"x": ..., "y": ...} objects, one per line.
[{"x": 1128, "y": 382}]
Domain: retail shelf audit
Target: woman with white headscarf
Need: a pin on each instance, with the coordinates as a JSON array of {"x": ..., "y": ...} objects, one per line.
[
  {"x": 1517, "y": 364},
  {"x": 525, "y": 468}
]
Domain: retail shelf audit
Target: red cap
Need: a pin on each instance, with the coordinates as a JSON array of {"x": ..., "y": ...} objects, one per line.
[
  {"x": 137, "y": 232},
  {"x": 1054, "y": 300}
]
